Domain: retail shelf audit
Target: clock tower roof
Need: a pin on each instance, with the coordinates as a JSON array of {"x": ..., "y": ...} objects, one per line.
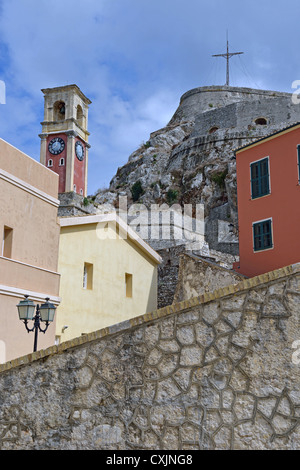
[{"x": 67, "y": 88}]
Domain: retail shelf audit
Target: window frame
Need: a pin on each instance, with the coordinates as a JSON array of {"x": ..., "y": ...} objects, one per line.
[
  {"x": 260, "y": 178},
  {"x": 262, "y": 235},
  {"x": 88, "y": 276}
]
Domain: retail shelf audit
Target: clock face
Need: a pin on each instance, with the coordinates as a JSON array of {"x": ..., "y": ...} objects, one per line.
[
  {"x": 79, "y": 150},
  {"x": 56, "y": 146}
]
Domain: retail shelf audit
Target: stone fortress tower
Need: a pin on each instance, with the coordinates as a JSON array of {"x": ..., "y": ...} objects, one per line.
[
  {"x": 193, "y": 156},
  {"x": 192, "y": 160}
]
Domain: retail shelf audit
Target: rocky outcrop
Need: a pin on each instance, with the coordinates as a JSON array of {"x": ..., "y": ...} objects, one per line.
[{"x": 192, "y": 161}]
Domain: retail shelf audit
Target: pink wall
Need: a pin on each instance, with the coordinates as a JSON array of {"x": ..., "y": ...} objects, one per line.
[
  {"x": 282, "y": 204},
  {"x": 60, "y": 170}
]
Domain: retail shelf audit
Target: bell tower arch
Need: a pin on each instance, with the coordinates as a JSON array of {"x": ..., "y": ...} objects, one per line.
[{"x": 64, "y": 137}]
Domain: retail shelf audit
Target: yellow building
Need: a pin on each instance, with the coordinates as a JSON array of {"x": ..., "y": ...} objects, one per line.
[
  {"x": 108, "y": 274},
  {"x": 29, "y": 232}
]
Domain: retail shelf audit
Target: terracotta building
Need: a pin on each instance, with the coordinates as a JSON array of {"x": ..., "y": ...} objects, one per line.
[
  {"x": 268, "y": 191},
  {"x": 29, "y": 232}
]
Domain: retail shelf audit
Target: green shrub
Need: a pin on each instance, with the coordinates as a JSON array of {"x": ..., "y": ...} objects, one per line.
[
  {"x": 172, "y": 196},
  {"x": 219, "y": 178},
  {"x": 137, "y": 190}
]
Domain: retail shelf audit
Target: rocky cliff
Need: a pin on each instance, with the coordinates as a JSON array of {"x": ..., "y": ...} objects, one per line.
[{"x": 191, "y": 160}]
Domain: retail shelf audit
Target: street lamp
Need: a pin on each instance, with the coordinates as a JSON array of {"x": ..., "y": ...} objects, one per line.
[{"x": 44, "y": 313}]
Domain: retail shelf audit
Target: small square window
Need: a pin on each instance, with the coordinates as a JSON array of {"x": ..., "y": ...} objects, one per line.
[
  {"x": 260, "y": 184},
  {"x": 262, "y": 235}
]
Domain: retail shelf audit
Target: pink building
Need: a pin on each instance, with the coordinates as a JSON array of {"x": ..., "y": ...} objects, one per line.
[
  {"x": 268, "y": 191},
  {"x": 29, "y": 232}
]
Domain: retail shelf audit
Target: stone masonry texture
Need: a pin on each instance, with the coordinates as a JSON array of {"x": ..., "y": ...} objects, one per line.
[
  {"x": 197, "y": 275},
  {"x": 212, "y": 372}
]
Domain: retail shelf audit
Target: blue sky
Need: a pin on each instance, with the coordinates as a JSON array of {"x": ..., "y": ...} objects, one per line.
[{"x": 134, "y": 59}]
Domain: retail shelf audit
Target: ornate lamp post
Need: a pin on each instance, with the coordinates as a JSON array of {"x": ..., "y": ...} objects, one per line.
[{"x": 44, "y": 313}]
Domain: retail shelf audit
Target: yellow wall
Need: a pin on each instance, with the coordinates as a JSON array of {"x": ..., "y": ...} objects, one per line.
[{"x": 87, "y": 310}]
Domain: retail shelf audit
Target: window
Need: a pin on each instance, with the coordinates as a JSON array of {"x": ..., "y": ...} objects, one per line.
[
  {"x": 128, "y": 285},
  {"x": 261, "y": 121},
  {"x": 59, "y": 111},
  {"x": 81, "y": 192},
  {"x": 260, "y": 178},
  {"x": 87, "y": 276},
  {"x": 262, "y": 235},
  {"x": 74, "y": 188},
  {"x": 79, "y": 115},
  {"x": 7, "y": 242},
  {"x": 61, "y": 162},
  {"x": 50, "y": 163}
]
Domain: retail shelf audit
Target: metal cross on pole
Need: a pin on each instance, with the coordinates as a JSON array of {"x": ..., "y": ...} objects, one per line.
[{"x": 228, "y": 55}]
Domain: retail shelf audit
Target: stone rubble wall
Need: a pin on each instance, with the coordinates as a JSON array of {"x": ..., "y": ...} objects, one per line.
[
  {"x": 218, "y": 371},
  {"x": 197, "y": 275}
]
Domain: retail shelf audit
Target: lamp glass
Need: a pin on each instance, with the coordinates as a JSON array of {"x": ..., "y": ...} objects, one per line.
[
  {"x": 26, "y": 309},
  {"x": 47, "y": 312}
]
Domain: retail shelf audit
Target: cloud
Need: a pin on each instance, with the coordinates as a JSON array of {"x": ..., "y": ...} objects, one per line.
[{"x": 134, "y": 59}]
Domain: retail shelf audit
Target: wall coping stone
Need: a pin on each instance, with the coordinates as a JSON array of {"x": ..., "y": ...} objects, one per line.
[{"x": 154, "y": 315}]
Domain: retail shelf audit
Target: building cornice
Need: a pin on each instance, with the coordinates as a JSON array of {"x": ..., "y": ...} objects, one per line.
[
  {"x": 72, "y": 120},
  {"x": 35, "y": 296},
  {"x": 104, "y": 218},
  {"x": 68, "y": 132},
  {"x": 4, "y": 175},
  {"x": 66, "y": 88},
  {"x": 268, "y": 137}
]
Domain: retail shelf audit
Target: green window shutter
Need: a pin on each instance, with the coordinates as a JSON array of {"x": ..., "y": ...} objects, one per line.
[
  {"x": 262, "y": 235},
  {"x": 260, "y": 178}
]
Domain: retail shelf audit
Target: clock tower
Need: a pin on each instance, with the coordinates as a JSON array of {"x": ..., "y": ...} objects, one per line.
[{"x": 64, "y": 137}]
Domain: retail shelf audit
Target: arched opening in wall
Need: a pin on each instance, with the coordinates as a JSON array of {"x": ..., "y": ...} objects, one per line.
[
  {"x": 59, "y": 111},
  {"x": 213, "y": 129},
  {"x": 261, "y": 121},
  {"x": 79, "y": 115}
]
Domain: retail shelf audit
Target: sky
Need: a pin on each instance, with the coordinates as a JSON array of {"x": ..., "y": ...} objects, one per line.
[{"x": 134, "y": 59}]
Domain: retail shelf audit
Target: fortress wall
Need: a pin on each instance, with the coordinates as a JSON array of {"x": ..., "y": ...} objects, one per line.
[
  {"x": 202, "y": 99},
  {"x": 217, "y": 371}
]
